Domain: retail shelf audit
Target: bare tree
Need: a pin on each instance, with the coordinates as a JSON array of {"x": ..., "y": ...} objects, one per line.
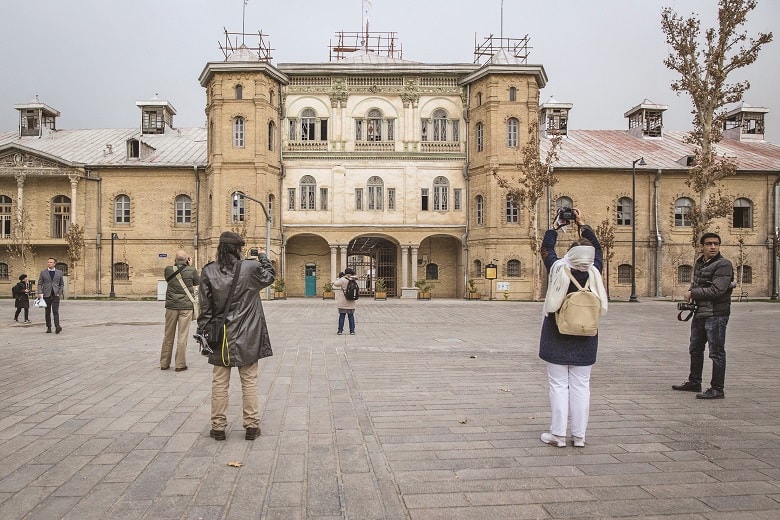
[
  {"x": 20, "y": 247},
  {"x": 534, "y": 177},
  {"x": 677, "y": 256},
  {"x": 605, "y": 232},
  {"x": 703, "y": 71},
  {"x": 75, "y": 238}
]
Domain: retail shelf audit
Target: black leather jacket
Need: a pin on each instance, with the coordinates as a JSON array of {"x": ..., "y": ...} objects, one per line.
[{"x": 711, "y": 287}]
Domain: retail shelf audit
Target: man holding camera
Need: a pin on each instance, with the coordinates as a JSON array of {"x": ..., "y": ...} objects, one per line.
[
  {"x": 711, "y": 293},
  {"x": 179, "y": 308}
]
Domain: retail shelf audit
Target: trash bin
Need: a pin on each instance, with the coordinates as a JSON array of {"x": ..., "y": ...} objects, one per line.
[{"x": 162, "y": 287}]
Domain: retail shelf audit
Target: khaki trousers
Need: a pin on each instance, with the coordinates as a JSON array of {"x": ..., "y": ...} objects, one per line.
[
  {"x": 176, "y": 322},
  {"x": 219, "y": 396}
]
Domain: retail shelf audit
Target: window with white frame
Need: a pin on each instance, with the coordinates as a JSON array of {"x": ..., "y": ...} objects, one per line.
[
  {"x": 512, "y": 212},
  {"x": 308, "y": 188},
  {"x": 440, "y": 127},
  {"x": 391, "y": 199},
  {"x": 743, "y": 213},
  {"x": 683, "y": 209},
  {"x": 512, "y": 128},
  {"x": 60, "y": 216},
  {"x": 375, "y": 186},
  {"x": 291, "y": 199},
  {"x": 183, "y": 209},
  {"x": 457, "y": 199},
  {"x": 359, "y": 199},
  {"x": 238, "y": 209},
  {"x": 122, "y": 209},
  {"x": 308, "y": 127},
  {"x": 238, "y": 132},
  {"x": 375, "y": 127},
  {"x": 625, "y": 211},
  {"x": 5, "y": 216},
  {"x": 479, "y": 210},
  {"x": 441, "y": 193},
  {"x": 480, "y": 139}
]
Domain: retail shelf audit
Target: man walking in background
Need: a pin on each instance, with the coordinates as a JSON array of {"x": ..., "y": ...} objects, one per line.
[
  {"x": 180, "y": 306},
  {"x": 51, "y": 286}
]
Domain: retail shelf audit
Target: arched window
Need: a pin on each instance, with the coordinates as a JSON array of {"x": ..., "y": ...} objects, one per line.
[
  {"x": 122, "y": 209},
  {"x": 308, "y": 189},
  {"x": 271, "y": 135},
  {"x": 442, "y": 127},
  {"x": 513, "y": 269},
  {"x": 439, "y": 125},
  {"x": 684, "y": 274},
  {"x": 271, "y": 97},
  {"x": 441, "y": 194},
  {"x": 512, "y": 128},
  {"x": 308, "y": 127},
  {"x": 476, "y": 270},
  {"x": 625, "y": 211},
  {"x": 745, "y": 273},
  {"x": 512, "y": 94},
  {"x": 512, "y": 212},
  {"x": 624, "y": 273},
  {"x": 479, "y": 98},
  {"x": 133, "y": 148},
  {"x": 743, "y": 213},
  {"x": 563, "y": 202},
  {"x": 60, "y": 216},
  {"x": 121, "y": 271},
  {"x": 432, "y": 272},
  {"x": 239, "y": 92},
  {"x": 5, "y": 216},
  {"x": 62, "y": 266},
  {"x": 682, "y": 212},
  {"x": 374, "y": 125},
  {"x": 183, "y": 209},
  {"x": 480, "y": 139},
  {"x": 375, "y": 193},
  {"x": 479, "y": 212},
  {"x": 238, "y": 211},
  {"x": 308, "y": 124},
  {"x": 238, "y": 132},
  {"x": 3, "y": 271}
]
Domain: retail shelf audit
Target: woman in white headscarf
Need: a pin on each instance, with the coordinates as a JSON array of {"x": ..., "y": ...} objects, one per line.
[{"x": 569, "y": 358}]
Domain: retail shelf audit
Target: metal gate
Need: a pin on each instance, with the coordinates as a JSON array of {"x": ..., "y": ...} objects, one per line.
[{"x": 373, "y": 258}]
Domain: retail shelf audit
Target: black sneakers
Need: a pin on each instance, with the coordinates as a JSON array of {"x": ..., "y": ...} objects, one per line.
[
  {"x": 217, "y": 435},
  {"x": 711, "y": 393},
  {"x": 688, "y": 386},
  {"x": 252, "y": 434}
]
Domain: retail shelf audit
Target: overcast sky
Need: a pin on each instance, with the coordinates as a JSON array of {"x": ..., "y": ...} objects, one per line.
[{"x": 93, "y": 59}]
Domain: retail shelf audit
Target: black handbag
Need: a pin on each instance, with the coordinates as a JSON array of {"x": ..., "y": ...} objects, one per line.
[{"x": 212, "y": 335}]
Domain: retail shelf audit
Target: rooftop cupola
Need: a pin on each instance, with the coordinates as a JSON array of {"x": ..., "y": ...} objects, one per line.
[
  {"x": 646, "y": 119},
  {"x": 156, "y": 114},
  {"x": 554, "y": 117},
  {"x": 36, "y": 119},
  {"x": 745, "y": 123}
]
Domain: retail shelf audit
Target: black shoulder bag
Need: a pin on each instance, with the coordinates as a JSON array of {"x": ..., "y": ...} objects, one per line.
[{"x": 214, "y": 331}]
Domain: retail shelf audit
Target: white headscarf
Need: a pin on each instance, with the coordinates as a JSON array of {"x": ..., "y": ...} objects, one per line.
[{"x": 579, "y": 258}]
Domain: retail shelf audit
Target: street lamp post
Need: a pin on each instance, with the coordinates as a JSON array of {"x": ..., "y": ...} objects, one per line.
[
  {"x": 112, "y": 294},
  {"x": 641, "y": 162},
  {"x": 267, "y": 230}
]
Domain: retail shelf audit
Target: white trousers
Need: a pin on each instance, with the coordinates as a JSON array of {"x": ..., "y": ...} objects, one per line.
[{"x": 569, "y": 396}]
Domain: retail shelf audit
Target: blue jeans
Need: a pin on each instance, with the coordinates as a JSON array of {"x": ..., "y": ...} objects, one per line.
[
  {"x": 712, "y": 331},
  {"x": 351, "y": 321}
]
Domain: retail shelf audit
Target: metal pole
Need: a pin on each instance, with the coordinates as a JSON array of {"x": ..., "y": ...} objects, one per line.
[
  {"x": 112, "y": 294},
  {"x": 641, "y": 161}
]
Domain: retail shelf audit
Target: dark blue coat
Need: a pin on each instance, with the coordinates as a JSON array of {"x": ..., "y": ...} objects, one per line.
[{"x": 563, "y": 349}]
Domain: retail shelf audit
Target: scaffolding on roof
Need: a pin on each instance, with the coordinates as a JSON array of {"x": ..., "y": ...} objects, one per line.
[
  {"x": 379, "y": 43},
  {"x": 518, "y": 47},
  {"x": 263, "y": 49}
]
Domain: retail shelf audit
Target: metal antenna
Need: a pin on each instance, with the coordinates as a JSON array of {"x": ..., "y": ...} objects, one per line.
[
  {"x": 502, "y": 19},
  {"x": 243, "y": 22}
]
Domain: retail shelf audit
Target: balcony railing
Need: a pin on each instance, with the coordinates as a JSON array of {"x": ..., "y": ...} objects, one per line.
[{"x": 437, "y": 146}]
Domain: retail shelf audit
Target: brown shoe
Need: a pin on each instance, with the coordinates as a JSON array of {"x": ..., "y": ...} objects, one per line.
[
  {"x": 164, "y": 368},
  {"x": 182, "y": 369},
  {"x": 252, "y": 434},
  {"x": 58, "y": 329},
  {"x": 217, "y": 435}
]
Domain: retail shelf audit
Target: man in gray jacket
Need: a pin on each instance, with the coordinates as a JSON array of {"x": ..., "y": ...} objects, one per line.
[
  {"x": 182, "y": 279},
  {"x": 711, "y": 291},
  {"x": 51, "y": 287}
]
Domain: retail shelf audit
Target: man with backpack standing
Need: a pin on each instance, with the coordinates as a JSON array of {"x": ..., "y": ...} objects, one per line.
[{"x": 347, "y": 293}]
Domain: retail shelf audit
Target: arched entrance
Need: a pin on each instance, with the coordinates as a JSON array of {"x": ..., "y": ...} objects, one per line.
[{"x": 372, "y": 258}]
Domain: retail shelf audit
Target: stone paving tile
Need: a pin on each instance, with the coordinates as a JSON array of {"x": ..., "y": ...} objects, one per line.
[{"x": 432, "y": 411}]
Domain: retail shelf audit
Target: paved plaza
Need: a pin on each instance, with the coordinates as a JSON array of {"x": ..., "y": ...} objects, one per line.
[{"x": 433, "y": 410}]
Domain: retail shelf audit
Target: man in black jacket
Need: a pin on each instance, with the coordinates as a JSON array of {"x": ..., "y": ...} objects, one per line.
[{"x": 711, "y": 291}]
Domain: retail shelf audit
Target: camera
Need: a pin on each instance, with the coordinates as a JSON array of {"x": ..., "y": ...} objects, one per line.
[
  {"x": 566, "y": 214},
  {"x": 31, "y": 286},
  {"x": 687, "y": 306}
]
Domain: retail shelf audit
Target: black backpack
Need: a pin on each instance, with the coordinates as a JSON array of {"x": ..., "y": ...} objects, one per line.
[{"x": 352, "y": 292}]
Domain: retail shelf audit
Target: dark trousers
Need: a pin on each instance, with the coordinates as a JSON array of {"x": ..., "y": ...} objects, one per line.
[
  {"x": 711, "y": 331},
  {"x": 351, "y": 321},
  {"x": 52, "y": 307},
  {"x": 26, "y": 313}
]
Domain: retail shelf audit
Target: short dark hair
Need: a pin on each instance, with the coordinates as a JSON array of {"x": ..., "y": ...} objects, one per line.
[
  {"x": 705, "y": 236},
  {"x": 349, "y": 270},
  {"x": 22, "y": 276}
]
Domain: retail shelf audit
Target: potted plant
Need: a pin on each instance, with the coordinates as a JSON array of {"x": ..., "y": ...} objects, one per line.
[
  {"x": 278, "y": 288},
  {"x": 327, "y": 291},
  {"x": 473, "y": 293},
  {"x": 380, "y": 289},
  {"x": 424, "y": 289}
]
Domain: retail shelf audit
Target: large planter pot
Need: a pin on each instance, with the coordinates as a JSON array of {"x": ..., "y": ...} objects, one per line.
[
  {"x": 474, "y": 296},
  {"x": 279, "y": 295},
  {"x": 380, "y": 295},
  {"x": 423, "y": 295},
  {"x": 328, "y": 295}
]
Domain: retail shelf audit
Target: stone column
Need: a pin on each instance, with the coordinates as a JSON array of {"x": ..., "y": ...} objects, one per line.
[
  {"x": 343, "y": 257},
  {"x": 333, "y": 258},
  {"x": 414, "y": 263},
  {"x": 20, "y": 178},
  {"x": 404, "y": 266},
  {"x": 74, "y": 183}
]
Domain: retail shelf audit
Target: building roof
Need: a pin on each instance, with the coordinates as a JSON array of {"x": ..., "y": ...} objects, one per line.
[
  {"x": 617, "y": 149},
  {"x": 108, "y": 146}
]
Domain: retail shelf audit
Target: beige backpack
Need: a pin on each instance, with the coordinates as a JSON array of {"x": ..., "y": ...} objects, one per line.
[{"x": 580, "y": 311}]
